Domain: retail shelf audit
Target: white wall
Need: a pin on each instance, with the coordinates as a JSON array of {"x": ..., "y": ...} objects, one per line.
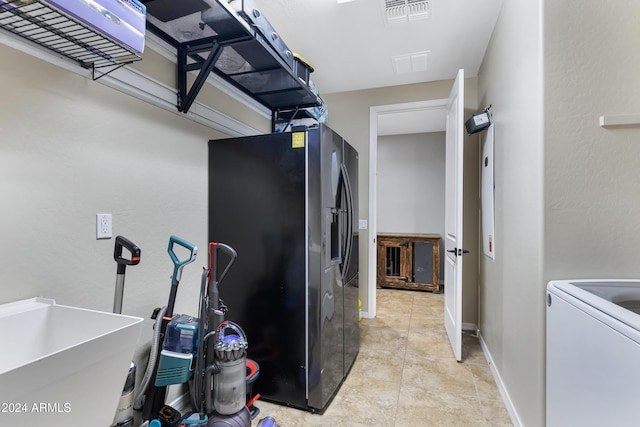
[
  {"x": 410, "y": 186},
  {"x": 511, "y": 287},
  {"x": 592, "y": 174},
  {"x": 583, "y": 221}
]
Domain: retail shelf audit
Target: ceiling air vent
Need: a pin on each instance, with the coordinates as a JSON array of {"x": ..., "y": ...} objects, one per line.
[
  {"x": 412, "y": 63},
  {"x": 399, "y": 11}
]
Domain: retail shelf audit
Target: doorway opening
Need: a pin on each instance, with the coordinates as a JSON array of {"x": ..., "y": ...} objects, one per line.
[{"x": 394, "y": 119}]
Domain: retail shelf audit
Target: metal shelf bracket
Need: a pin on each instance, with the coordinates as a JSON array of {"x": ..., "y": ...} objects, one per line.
[{"x": 186, "y": 98}]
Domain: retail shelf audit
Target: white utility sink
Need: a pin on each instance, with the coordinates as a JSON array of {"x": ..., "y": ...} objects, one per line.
[{"x": 62, "y": 366}]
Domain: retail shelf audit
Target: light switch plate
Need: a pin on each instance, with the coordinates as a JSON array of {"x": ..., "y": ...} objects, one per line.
[{"x": 362, "y": 224}]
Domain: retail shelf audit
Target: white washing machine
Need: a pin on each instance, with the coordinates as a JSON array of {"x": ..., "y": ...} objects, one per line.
[{"x": 593, "y": 353}]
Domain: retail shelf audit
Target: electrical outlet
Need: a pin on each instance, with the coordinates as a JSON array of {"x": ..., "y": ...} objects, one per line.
[{"x": 103, "y": 226}]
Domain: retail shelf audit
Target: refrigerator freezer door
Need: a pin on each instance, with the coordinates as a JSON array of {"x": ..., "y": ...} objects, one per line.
[
  {"x": 326, "y": 339},
  {"x": 350, "y": 230},
  {"x": 331, "y": 165},
  {"x": 349, "y": 269},
  {"x": 338, "y": 335}
]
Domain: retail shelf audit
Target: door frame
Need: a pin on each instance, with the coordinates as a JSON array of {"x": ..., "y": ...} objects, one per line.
[{"x": 374, "y": 112}]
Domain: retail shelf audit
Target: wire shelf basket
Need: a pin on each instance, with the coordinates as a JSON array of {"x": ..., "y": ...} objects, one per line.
[{"x": 46, "y": 26}]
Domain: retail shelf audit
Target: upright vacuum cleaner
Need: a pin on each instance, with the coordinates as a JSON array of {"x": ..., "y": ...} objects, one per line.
[
  {"x": 223, "y": 374},
  {"x": 124, "y": 413}
]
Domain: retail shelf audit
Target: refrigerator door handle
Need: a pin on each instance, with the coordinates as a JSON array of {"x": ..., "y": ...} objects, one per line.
[{"x": 348, "y": 238}]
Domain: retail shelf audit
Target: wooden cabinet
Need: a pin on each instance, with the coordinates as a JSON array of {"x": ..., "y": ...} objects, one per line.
[{"x": 409, "y": 261}]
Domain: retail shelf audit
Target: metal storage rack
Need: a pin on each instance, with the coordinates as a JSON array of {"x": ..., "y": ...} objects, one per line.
[
  {"x": 240, "y": 46},
  {"x": 46, "y": 26}
]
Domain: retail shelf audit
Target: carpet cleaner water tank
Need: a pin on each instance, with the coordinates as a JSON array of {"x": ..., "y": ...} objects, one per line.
[{"x": 178, "y": 349}]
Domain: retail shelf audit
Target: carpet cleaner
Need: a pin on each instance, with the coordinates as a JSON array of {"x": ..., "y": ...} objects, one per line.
[{"x": 169, "y": 364}]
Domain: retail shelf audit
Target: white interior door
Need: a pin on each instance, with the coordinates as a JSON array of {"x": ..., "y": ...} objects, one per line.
[{"x": 453, "y": 216}]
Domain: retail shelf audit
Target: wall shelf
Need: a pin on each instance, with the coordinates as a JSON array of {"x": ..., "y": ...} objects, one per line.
[
  {"x": 620, "y": 120},
  {"x": 46, "y": 26}
]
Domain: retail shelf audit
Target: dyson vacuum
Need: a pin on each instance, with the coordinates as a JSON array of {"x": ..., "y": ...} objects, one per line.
[{"x": 223, "y": 374}]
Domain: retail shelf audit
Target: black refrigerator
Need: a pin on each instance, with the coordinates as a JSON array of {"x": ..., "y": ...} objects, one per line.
[{"x": 288, "y": 204}]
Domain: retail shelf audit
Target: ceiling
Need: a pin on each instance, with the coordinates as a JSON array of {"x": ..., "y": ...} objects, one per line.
[{"x": 351, "y": 46}]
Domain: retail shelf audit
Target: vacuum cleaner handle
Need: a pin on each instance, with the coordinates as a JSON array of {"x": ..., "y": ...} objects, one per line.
[
  {"x": 216, "y": 316},
  {"x": 123, "y": 242},
  {"x": 177, "y": 264},
  {"x": 213, "y": 259}
]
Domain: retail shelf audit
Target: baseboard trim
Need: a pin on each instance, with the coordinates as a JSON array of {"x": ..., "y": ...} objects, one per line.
[
  {"x": 515, "y": 419},
  {"x": 469, "y": 327},
  {"x": 182, "y": 403}
]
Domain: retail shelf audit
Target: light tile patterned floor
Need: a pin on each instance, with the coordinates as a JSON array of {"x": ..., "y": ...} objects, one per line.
[{"x": 406, "y": 375}]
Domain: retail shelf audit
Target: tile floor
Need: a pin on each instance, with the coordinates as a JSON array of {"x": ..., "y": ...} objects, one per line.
[{"x": 406, "y": 375}]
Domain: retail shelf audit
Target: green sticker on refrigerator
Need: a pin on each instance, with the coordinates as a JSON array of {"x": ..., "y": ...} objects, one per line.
[{"x": 297, "y": 139}]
